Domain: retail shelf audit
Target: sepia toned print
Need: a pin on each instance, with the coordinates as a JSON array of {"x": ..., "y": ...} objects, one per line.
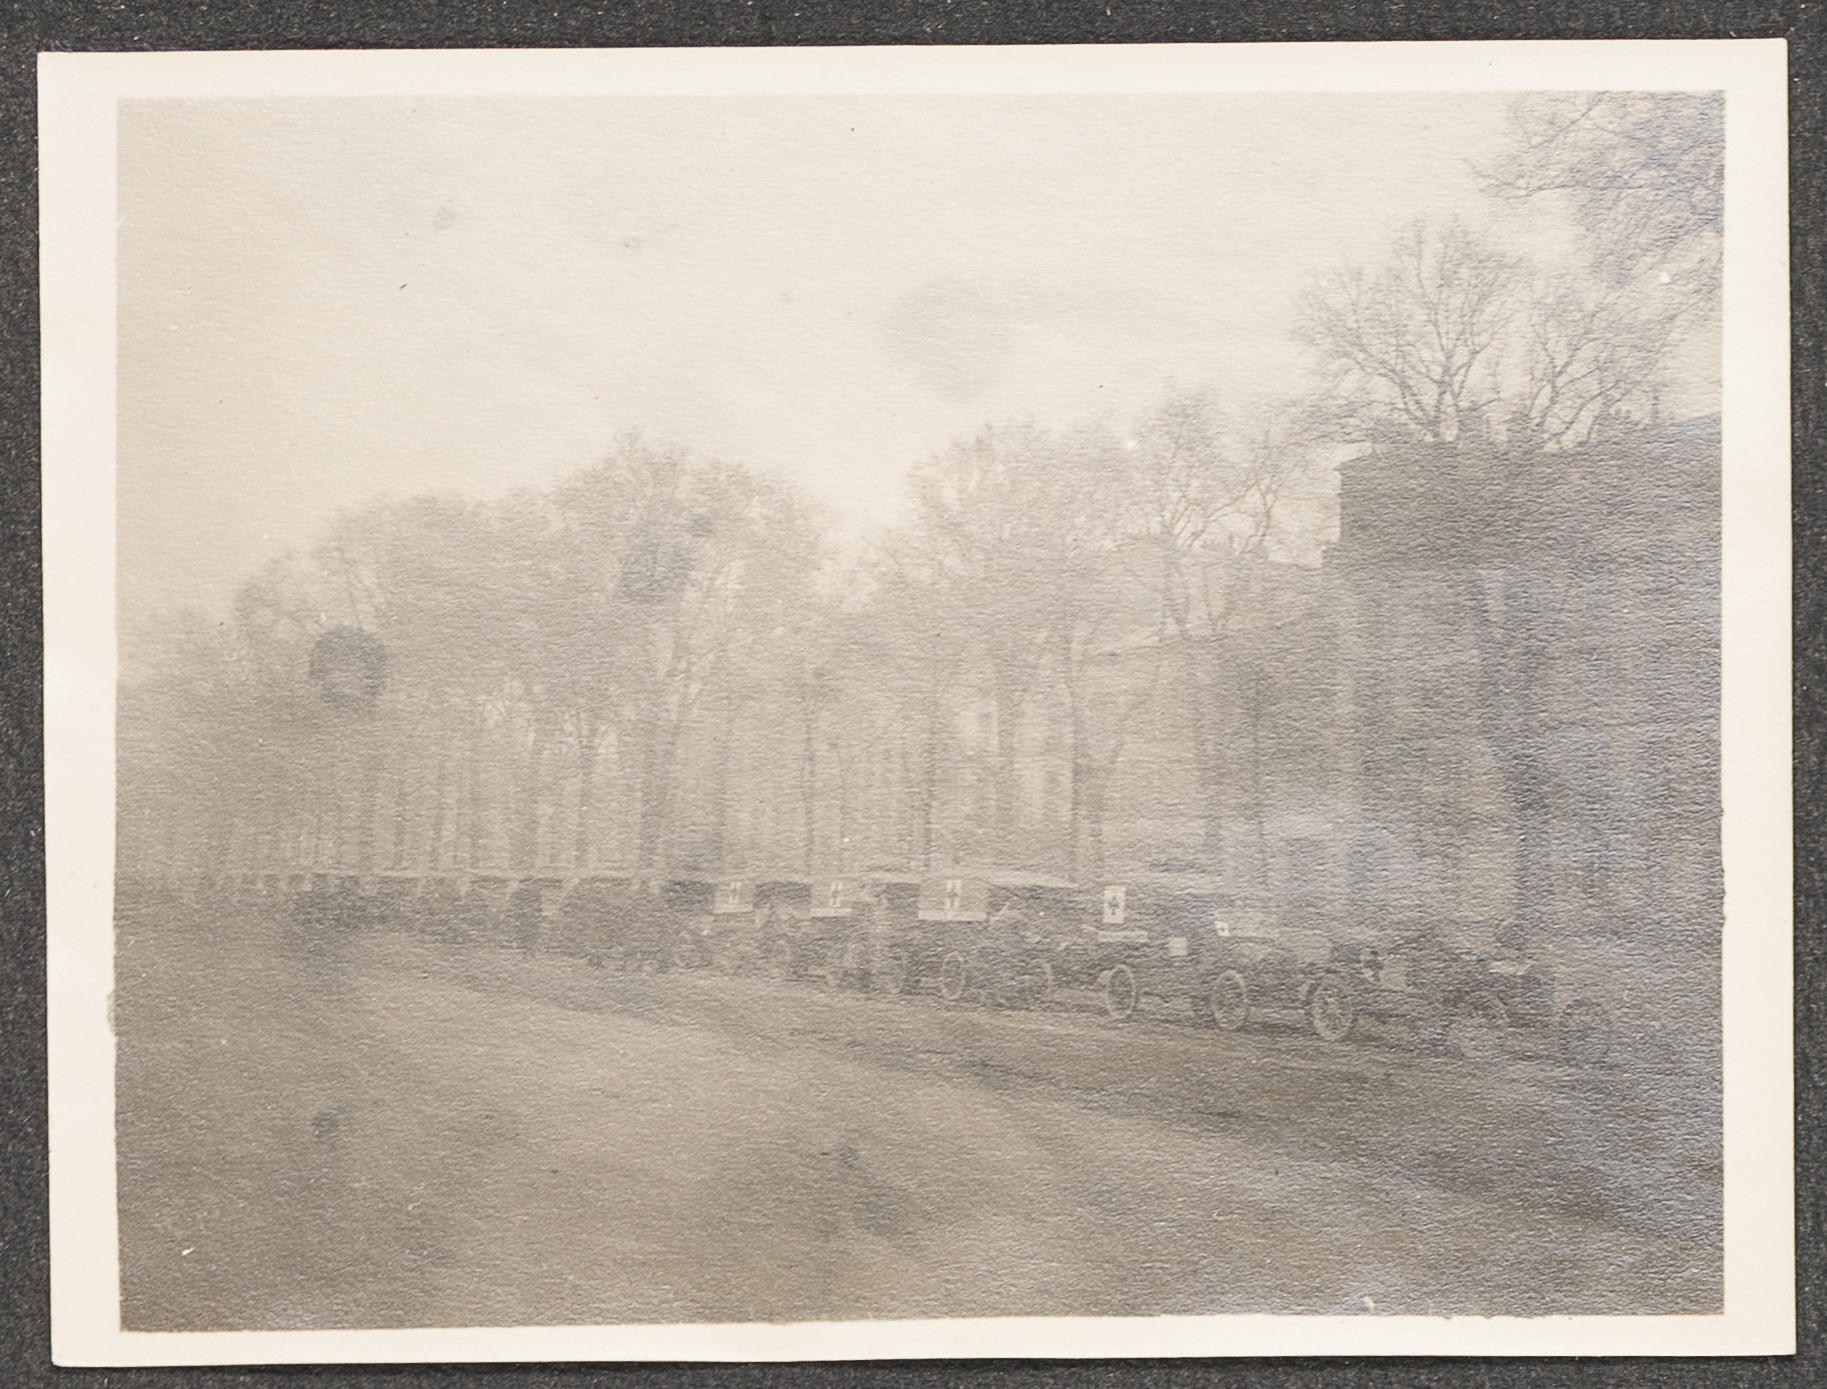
[{"x": 803, "y": 708}]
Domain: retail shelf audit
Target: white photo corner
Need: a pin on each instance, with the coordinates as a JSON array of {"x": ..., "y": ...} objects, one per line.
[{"x": 882, "y": 703}]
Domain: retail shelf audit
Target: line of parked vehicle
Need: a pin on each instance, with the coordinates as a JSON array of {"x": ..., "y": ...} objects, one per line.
[{"x": 1010, "y": 940}]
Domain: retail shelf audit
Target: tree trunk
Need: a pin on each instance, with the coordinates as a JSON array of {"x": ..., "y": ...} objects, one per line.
[
  {"x": 808, "y": 783},
  {"x": 434, "y": 852},
  {"x": 1208, "y": 769},
  {"x": 589, "y": 740},
  {"x": 655, "y": 772},
  {"x": 221, "y": 835},
  {"x": 370, "y": 804},
  {"x": 402, "y": 816},
  {"x": 1077, "y": 757},
  {"x": 720, "y": 788},
  {"x": 929, "y": 780},
  {"x": 1512, "y": 658},
  {"x": 664, "y": 803},
  {"x": 843, "y": 812},
  {"x": 523, "y": 852},
  {"x": 1007, "y": 800},
  {"x": 1534, "y": 913},
  {"x": 1259, "y": 808},
  {"x": 473, "y": 810},
  {"x": 1525, "y": 764},
  {"x": 1097, "y": 784},
  {"x": 333, "y": 831}
]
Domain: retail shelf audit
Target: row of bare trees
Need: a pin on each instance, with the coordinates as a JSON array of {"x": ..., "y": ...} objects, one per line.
[
  {"x": 1032, "y": 556},
  {"x": 610, "y": 614},
  {"x": 650, "y": 620}
]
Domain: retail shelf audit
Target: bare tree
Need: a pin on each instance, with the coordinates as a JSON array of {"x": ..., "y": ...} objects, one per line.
[
  {"x": 988, "y": 513},
  {"x": 620, "y": 606},
  {"x": 1451, "y": 340},
  {"x": 1205, "y": 514},
  {"x": 681, "y": 564},
  {"x": 1643, "y": 174},
  {"x": 1644, "y": 171},
  {"x": 1595, "y": 355},
  {"x": 1092, "y": 602},
  {"x": 1414, "y": 348},
  {"x": 913, "y": 648},
  {"x": 813, "y": 692}
]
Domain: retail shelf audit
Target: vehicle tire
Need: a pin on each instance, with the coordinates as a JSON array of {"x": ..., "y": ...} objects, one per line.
[
  {"x": 1230, "y": 1000},
  {"x": 1584, "y": 1030},
  {"x": 953, "y": 971},
  {"x": 1331, "y": 1011},
  {"x": 779, "y": 960},
  {"x": 684, "y": 955},
  {"x": 1481, "y": 1029},
  {"x": 1120, "y": 992}
]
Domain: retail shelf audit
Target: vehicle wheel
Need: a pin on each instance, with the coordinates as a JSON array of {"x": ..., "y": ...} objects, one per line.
[
  {"x": 1585, "y": 1032},
  {"x": 1230, "y": 1000},
  {"x": 1481, "y": 1027},
  {"x": 780, "y": 959},
  {"x": 1120, "y": 992},
  {"x": 684, "y": 955},
  {"x": 1331, "y": 1011},
  {"x": 952, "y": 971}
]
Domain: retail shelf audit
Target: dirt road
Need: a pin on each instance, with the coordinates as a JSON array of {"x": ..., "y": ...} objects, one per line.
[{"x": 409, "y": 1134}]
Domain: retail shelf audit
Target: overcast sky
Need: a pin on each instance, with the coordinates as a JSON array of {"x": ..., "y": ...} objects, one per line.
[{"x": 324, "y": 303}]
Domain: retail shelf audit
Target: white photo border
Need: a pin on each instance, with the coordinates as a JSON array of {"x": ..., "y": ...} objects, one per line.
[{"x": 78, "y": 95}]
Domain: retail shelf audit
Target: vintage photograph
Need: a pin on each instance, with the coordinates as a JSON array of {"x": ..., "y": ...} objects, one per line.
[{"x": 820, "y": 707}]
